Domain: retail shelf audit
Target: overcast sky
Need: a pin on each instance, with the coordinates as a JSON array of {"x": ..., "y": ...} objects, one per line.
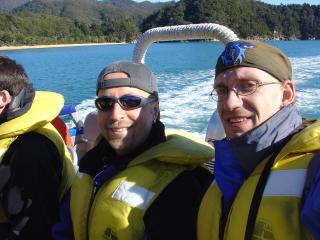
[{"x": 317, "y": 2}]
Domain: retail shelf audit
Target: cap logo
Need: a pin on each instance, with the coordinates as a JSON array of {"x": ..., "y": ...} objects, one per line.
[{"x": 234, "y": 53}]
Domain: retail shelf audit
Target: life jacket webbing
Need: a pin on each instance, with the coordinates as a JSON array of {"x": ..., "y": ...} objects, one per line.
[{"x": 257, "y": 196}]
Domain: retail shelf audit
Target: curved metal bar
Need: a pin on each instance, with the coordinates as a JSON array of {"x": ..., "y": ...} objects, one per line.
[{"x": 181, "y": 32}]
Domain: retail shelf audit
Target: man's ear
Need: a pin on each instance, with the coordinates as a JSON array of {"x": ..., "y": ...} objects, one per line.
[
  {"x": 5, "y": 99},
  {"x": 289, "y": 93}
]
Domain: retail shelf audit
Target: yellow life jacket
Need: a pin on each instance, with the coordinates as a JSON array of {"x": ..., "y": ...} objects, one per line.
[
  {"x": 37, "y": 119},
  {"x": 117, "y": 209},
  {"x": 278, "y": 216}
]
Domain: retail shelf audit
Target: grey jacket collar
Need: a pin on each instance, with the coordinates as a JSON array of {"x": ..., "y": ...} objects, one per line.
[
  {"x": 19, "y": 104},
  {"x": 251, "y": 148}
]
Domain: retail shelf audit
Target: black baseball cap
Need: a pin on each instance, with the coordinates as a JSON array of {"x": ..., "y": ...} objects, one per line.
[{"x": 139, "y": 76}]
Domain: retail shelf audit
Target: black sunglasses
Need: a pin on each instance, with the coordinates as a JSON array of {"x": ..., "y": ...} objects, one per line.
[{"x": 127, "y": 102}]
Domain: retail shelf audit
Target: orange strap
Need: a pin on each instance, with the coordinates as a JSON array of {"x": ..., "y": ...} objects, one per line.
[{"x": 59, "y": 124}]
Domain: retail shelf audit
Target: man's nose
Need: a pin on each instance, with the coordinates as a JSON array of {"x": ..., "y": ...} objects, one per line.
[
  {"x": 233, "y": 100},
  {"x": 116, "y": 112}
]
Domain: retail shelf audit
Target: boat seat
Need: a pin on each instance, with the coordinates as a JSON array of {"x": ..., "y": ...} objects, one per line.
[{"x": 215, "y": 131}]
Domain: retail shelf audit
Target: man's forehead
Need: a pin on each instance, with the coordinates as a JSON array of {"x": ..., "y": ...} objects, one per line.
[
  {"x": 113, "y": 75},
  {"x": 243, "y": 74},
  {"x": 121, "y": 91},
  {"x": 229, "y": 76}
]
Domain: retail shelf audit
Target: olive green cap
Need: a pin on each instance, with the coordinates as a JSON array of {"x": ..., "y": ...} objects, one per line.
[{"x": 255, "y": 54}]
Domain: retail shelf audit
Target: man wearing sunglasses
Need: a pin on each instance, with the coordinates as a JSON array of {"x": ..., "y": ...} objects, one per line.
[
  {"x": 140, "y": 181},
  {"x": 267, "y": 178}
]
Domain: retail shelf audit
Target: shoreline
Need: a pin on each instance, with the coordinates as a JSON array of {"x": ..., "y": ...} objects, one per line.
[{"x": 5, "y": 48}]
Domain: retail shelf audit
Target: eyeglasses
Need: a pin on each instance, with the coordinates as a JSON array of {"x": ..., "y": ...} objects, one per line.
[
  {"x": 127, "y": 102},
  {"x": 241, "y": 88}
]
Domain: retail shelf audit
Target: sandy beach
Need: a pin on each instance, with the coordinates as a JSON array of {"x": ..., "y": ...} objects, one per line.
[{"x": 3, "y": 48}]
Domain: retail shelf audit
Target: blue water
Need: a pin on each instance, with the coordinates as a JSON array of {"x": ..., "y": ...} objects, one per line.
[{"x": 184, "y": 70}]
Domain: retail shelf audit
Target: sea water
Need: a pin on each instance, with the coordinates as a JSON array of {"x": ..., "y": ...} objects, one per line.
[{"x": 185, "y": 73}]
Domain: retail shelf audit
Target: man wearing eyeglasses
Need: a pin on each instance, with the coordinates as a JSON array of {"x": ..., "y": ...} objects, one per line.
[
  {"x": 140, "y": 181},
  {"x": 267, "y": 182}
]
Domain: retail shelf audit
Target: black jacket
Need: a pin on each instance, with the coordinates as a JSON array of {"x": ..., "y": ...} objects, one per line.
[
  {"x": 32, "y": 187},
  {"x": 173, "y": 215}
]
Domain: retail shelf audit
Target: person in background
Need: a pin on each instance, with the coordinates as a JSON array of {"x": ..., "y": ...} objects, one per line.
[
  {"x": 140, "y": 181},
  {"x": 35, "y": 168},
  {"x": 267, "y": 178},
  {"x": 91, "y": 131}
]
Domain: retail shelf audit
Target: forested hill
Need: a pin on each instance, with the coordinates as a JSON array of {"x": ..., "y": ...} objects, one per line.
[
  {"x": 248, "y": 18},
  {"x": 76, "y": 21},
  {"x": 90, "y": 11},
  {"x": 8, "y": 5},
  {"x": 72, "y": 21}
]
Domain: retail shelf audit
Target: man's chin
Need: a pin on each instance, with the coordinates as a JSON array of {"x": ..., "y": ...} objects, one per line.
[
  {"x": 116, "y": 145},
  {"x": 120, "y": 150},
  {"x": 232, "y": 135},
  {"x": 238, "y": 130}
]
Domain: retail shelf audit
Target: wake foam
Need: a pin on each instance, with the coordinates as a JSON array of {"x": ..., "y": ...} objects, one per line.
[{"x": 185, "y": 102}]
